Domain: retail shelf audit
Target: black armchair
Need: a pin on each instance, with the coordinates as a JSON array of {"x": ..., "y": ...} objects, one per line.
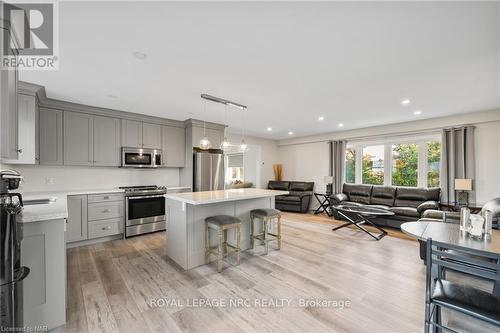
[{"x": 297, "y": 200}]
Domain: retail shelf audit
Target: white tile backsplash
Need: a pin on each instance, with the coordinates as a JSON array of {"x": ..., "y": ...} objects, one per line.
[{"x": 62, "y": 178}]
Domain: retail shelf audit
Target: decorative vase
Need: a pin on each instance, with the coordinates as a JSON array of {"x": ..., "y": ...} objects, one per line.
[
  {"x": 476, "y": 229},
  {"x": 278, "y": 172}
]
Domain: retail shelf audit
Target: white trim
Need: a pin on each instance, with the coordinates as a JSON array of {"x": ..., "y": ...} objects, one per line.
[{"x": 387, "y": 142}]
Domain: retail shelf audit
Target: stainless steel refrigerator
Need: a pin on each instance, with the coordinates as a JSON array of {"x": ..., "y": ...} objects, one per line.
[{"x": 208, "y": 170}]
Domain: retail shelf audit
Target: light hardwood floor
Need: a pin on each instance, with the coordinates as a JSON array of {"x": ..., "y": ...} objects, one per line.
[{"x": 111, "y": 285}]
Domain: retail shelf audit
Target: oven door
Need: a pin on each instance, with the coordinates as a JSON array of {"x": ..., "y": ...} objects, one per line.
[{"x": 145, "y": 209}]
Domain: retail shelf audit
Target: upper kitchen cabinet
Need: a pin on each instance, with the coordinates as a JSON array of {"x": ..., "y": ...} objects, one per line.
[
  {"x": 131, "y": 133},
  {"x": 151, "y": 136},
  {"x": 173, "y": 146},
  {"x": 106, "y": 141},
  {"x": 9, "y": 148},
  {"x": 27, "y": 131},
  {"x": 78, "y": 138},
  {"x": 51, "y": 136}
]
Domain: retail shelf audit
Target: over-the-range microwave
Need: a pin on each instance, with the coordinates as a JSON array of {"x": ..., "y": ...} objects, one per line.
[{"x": 141, "y": 157}]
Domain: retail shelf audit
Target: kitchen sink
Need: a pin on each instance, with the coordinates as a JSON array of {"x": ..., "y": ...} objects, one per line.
[{"x": 44, "y": 201}]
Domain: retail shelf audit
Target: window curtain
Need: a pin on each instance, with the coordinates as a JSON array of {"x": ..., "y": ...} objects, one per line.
[
  {"x": 457, "y": 161},
  {"x": 337, "y": 163}
]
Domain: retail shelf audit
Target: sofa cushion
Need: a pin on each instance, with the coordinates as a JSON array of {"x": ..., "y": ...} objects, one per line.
[
  {"x": 383, "y": 195},
  {"x": 299, "y": 194},
  {"x": 301, "y": 186},
  {"x": 278, "y": 185},
  {"x": 412, "y": 197},
  {"x": 405, "y": 211},
  {"x": 287, "y": 198},
  {"x": 358, "y": 193}
]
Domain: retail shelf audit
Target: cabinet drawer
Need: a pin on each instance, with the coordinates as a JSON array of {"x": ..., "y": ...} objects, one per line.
[
  {"x": 106, "y": 197},
  {"x": 105, "y": 210},
  {"x": 105, "y": 228}
]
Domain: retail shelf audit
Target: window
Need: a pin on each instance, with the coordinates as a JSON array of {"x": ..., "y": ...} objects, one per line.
[
  {"x": 433, "y": 163},
  {"x": 405, "y": 164},
  {"x": 235, "y": 172},
  {"x": 373, "y": 165},
  {"x": 350, "y": 166},
  {"x": 413, "y": 162}
]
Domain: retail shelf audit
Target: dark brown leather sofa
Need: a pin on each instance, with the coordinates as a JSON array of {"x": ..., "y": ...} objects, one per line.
[
  {"x": 407, "y": 203},
  {"x": 299, "y": 196}
]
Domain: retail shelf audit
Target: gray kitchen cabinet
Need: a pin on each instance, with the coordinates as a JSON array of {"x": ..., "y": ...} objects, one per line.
[
  {"x": 215, "y": 137},
  {"x": 131, "y": 133},
  {"x": 8, "y": 100},
  {"x": 76, "y": 228},
  {"x": 78, "y": 138},
  {"x": 151, "y": 136},
  {"x": 43, "y": 251},
  {"x": 173, "y": 146},
  {"x": 51, "y": 136},
  {"x": 27, "y": 131},
  {"x": 106, "y": 141}
]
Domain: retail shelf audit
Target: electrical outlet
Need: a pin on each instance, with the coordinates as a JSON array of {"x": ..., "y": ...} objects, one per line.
[{"x": 50, "y": 181}]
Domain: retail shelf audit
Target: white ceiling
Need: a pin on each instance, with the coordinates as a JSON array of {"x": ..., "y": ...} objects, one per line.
[{"x": 289, "y": 62}]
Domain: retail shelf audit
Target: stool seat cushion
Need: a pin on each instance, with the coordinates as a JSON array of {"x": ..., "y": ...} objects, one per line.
[
  {"x": 222, "y": 220},
  {"x": 265, "y": 212}
]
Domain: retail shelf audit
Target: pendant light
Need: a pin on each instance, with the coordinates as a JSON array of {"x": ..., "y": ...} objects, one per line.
[
  {"x": 243, "y": 145},
  {"x": 225, "y": 143},
  {"x": 204, "y": 142}
]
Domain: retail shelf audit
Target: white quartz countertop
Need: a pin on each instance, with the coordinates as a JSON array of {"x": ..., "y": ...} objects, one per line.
[
  {"x": 58, "y": 209},
  {"x": 207, "y": 197}
]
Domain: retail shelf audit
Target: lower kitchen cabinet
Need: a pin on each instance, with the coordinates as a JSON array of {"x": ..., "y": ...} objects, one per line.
[
  {"x": 43, "y": 251},
  {"x": 76, "y": 229},
  {"x": 94, "y": 216}
]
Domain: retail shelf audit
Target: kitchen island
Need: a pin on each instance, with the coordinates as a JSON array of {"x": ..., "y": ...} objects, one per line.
[{"x": 186, "y": 213}]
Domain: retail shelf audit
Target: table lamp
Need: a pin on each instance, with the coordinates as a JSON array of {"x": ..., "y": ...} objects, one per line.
[
  {"x": 462, "y": 186},
  {"x": 328, "y": 180}
]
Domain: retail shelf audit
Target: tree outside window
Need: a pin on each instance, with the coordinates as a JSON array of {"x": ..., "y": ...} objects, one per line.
[
  {"x": 433, "y": 163},
  {"x": 373, "y": 165},
  {"x": 405, "y": 164},
  {"x": 350, "y": 165}
]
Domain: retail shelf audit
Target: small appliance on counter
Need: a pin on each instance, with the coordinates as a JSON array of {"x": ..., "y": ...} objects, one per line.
[
  {"x": 144, "y": 209},
  {"x": 141, "y": 157},
  {"x": 12, "y": 273}
]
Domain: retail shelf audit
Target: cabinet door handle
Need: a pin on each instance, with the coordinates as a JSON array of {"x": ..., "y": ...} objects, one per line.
[
  {"x": 106, "y": 197},
  {"x": 106, "y": 228},
  {"x": 19, "y": 151},
  {"x": 106, "y": 211}
]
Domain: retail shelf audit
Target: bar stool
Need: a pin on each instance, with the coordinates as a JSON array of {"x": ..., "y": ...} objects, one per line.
[
  {"x": 267, "y": 215},
  {"x": 222, "y": 223}
]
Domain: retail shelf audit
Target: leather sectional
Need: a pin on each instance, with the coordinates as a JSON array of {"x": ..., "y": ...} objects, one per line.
[
  {"x": 298, "y": 199},
  {"x": 407, "y": 203}
]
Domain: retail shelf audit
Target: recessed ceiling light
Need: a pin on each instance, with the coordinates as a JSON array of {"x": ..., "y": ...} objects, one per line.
[
  {"x": 417, "y": 112},
  {"x": 140, "y": 55},
  {"x": 321, "y": 118},
  {"x": 405, "y": 101},
  {"x": 112, "y": 96},
  {"x": 269, "y": 129},
  {"x": 341, "y": 125},
  {"x": 290, "y": 133}
]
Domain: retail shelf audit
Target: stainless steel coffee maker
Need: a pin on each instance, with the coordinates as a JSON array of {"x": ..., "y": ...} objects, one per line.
[{"x": 12, "y": 273}]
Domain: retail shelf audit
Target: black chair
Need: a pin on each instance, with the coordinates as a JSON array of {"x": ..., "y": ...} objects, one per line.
[{"x": 442, "y": 293}]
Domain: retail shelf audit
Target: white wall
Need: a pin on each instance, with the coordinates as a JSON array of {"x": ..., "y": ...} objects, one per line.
[
  {"x": 37, "y": 177},
  {"x": 307, "y": 158},
  {"x": 306, "y": 162},
  {"x": 268, "y": 155}
]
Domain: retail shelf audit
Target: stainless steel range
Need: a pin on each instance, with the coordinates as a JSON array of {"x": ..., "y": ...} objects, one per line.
[{"x": 144, "y": 209}]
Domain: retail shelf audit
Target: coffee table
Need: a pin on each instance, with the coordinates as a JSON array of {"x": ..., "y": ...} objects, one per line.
[{"x": 359, "y": 215}]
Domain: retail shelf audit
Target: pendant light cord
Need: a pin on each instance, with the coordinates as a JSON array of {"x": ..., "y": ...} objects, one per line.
[{"x": 204, "y": 118}]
